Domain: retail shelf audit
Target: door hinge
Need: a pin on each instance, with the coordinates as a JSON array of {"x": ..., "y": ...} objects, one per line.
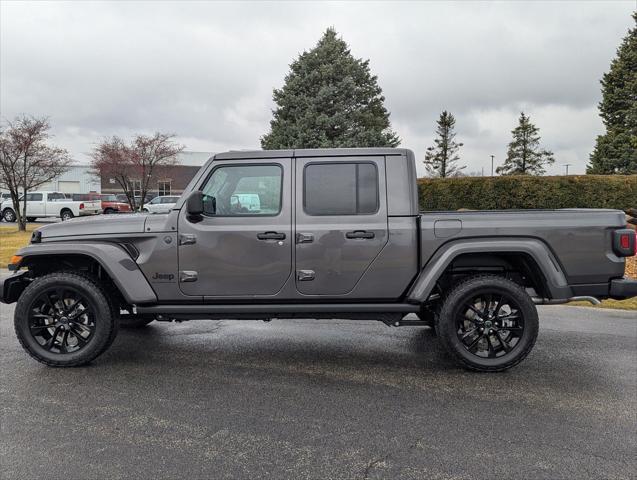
[
  {"x": 187, "y": 239},
  {"x": 187, "y": 276},
  {"x": 305, "y": 275}
]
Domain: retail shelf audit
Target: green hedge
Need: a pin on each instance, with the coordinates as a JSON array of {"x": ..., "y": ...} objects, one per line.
[{"x": 490, "y": 193}]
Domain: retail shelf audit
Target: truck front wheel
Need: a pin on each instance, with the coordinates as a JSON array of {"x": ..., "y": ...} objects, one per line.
[
  {"x": 64, "y": 319},
  {"x": 488, "y": 323},
  {"x": 8, "y": 215}
]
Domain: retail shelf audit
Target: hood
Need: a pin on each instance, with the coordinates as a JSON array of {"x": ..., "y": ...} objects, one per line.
[{"x": 95, "y": 225}]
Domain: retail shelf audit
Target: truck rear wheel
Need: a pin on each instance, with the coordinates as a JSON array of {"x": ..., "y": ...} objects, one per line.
[
  {"x": 66, "y": 214},
  {"x": 488, "y": 323},
  {"x": 64, "y": 319}
]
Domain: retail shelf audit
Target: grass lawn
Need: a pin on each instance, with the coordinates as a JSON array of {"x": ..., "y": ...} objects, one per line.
[
  {"x": 630, "y": 304},
  {"x": 11, "y": 240}
]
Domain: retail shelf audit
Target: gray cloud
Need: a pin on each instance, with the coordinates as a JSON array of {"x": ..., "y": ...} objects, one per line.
[{"x": 206, "y": 70}]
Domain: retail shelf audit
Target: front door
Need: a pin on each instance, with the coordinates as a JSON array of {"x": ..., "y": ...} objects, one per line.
[
  {"x": 341, "y": 221},
  {"x": 35, "y": 205},
  {"x": 242, "y": 245}
]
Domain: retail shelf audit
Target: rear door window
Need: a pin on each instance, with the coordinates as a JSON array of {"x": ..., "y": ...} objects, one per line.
[{"x": 340, "y": 189}]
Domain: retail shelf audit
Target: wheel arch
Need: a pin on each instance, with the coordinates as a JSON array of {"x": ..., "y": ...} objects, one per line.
[
  {"x": 529, "y": 256},
  {"x": 112, "y": 259}
]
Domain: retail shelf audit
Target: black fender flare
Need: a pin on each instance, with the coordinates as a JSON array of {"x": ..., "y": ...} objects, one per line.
[
  {"x": 122, "y": 269},
  {"x": 557, "y": 284}
]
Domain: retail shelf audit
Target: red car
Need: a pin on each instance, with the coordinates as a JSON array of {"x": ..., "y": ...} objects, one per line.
[{"x": 110, "y": 203}]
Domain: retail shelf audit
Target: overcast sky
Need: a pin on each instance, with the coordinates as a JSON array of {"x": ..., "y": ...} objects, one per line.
[{"x": 206, "y": 71}]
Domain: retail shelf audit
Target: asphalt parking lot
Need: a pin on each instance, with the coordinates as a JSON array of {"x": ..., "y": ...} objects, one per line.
[{"x": 321, "y": 399}]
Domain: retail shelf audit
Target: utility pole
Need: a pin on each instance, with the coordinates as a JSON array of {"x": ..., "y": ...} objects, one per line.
[
  {"x": 567, "y": 165},
  {"x": 492, "y": 164}
]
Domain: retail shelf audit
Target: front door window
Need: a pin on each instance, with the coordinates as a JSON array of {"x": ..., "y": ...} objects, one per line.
[{"x": 244, "y": 190}]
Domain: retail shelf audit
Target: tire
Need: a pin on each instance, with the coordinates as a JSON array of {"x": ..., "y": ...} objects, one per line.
[
  {"x": 109, "y": 211},
  {"x": 31, "y": 219},
  {"x": 66, "y": 214},
  {"x": 488, "y": 323},
  {"x": 9, "y": 215},
  {"x": 144, "y": 210},
  {"x": 76, "y": 306}
]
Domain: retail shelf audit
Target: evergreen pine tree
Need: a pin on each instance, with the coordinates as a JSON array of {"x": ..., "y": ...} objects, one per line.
[
  {"x": 441, "y": 160},
  {"x": 329, "y": 99},
  {"x": 616, "y": 150},
  {"x": 525, "y": 156}
]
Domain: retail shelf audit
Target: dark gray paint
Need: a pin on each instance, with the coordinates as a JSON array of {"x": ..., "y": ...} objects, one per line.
[
  {"x": 229, "y": 258},
  {"x": 580, "y": 239},
  {"x": 556, "y": 281},
  {"x": 572, "y": 247},
  {"x": 339, "y": 262},
  {"x": 113, "y": 258},
  {"x": 96, "y": 225}
]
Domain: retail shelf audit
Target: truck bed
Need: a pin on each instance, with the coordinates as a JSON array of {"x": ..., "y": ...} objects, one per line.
[{"x": 580, "y": 239}]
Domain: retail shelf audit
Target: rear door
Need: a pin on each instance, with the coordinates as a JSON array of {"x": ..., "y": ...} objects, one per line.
[
  {"x": 51, "y": 206},
  {"x": 233, "y": 249},
  {"x": 341, "y": 221}
]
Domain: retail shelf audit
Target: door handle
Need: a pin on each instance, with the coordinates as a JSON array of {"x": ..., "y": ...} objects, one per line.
[
  {"x": 304, "y": 238},
  {"x": 360, "y": 234},
  {"x": 271, "y": 236}
]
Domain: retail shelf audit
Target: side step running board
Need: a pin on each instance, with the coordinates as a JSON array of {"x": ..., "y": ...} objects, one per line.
[{"x": 274, "y": 309}]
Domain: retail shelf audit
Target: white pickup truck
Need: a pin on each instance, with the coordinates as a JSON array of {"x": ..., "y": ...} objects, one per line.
[{"x": 50, "y": 204}]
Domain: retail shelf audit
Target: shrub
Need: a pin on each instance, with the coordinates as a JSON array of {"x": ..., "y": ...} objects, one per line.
[{"x": 511, "y": 192}]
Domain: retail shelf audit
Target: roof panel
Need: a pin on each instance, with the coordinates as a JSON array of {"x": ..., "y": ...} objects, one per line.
[{"x": 308, "y": 152}]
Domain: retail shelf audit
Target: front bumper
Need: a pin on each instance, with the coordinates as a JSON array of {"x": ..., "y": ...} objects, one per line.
[
  {"x": 11, "y": 286},
  {"x": 622, "y": 288}
]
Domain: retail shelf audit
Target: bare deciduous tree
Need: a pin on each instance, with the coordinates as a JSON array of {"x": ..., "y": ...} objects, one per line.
[
  {"x": 146, "y": 157},
  {"x": 27, "y": 161}
]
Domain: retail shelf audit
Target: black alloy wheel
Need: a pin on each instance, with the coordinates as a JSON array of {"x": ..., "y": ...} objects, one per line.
[
  {"x": 488, "y": 323},
  {"x": 64, "y": 319},
  {"x": 491, "y": 325}
]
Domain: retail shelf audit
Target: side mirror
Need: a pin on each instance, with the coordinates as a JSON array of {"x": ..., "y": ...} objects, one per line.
[{"x": 194, "y": 203}]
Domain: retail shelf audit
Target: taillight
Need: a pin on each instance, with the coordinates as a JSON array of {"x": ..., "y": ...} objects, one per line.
[
  {"x": 625, "y": 243},
  {"x": 81, "y": 206},
  {"x": 624, "y": 240}
]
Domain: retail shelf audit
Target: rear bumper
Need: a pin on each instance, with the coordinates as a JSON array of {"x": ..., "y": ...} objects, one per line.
[
  {"x": 86, "y": 211},
  {"x": 622, "y": 288}
]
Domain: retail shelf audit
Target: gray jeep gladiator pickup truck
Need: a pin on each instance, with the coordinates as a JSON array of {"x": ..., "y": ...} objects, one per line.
[{"x": 315, "y": 234}]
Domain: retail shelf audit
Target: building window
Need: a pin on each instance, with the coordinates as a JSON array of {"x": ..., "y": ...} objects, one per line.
[
  {"x": 136, "y": 186},
  {"x": 163, "y": 187}
]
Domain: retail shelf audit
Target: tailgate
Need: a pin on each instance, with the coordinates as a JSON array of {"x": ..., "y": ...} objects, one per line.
[{"x": 93, "y": 205}]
